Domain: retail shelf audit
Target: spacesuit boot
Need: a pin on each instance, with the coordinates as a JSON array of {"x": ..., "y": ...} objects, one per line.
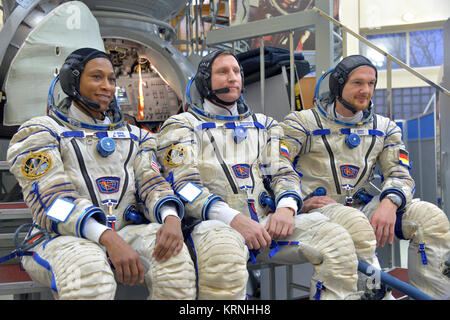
[{"x": 427, "y": 227}]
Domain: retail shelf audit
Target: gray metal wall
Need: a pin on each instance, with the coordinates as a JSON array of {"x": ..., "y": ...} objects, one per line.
[
  {"x": 444, "y": 119},
  {"x": 420, "y": 137}
]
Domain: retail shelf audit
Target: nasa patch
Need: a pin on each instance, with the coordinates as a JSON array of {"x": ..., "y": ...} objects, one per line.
[
  {"x": 242, "y": 171},
  {"x": 349, "y": 171},
  {"x": 108, "y": 184}
]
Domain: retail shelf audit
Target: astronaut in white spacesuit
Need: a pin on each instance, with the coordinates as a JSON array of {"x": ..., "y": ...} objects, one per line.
[
  {"x": 232, "y": 171},
  {"x": 335, "y": 147},
  {"x": 92, "y": 181}
]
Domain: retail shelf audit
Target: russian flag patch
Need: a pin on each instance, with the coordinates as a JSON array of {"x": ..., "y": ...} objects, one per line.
[
  {"x": 284, "y": 150},
  {"x": 403, "y": 158}
]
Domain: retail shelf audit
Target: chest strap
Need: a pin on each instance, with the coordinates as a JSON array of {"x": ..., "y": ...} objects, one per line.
[
  {"x": 231, "y": 125},
  {"x": 360, "y": 132},
  {"x": 100, "y": 134}
]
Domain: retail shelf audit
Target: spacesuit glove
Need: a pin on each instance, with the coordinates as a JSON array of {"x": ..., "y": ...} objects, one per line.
[{"x": 169, "y": 239}]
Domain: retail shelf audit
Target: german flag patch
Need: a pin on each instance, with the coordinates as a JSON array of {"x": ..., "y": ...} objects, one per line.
[{"x": 403, "y": 158}]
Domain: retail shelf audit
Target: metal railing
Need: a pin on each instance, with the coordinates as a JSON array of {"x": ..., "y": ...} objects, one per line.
[{"x": 389, "y": 60}]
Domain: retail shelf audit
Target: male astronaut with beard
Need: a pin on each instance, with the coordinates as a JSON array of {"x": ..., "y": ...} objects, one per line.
[
  {"x": 86, "y": 175},
  {"x": 335, "y": 147},
  {"x": 225, "y": 162}
]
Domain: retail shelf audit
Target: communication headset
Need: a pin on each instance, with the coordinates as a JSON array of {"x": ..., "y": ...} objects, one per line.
[
  {"x": 70, "y": 73},
  {"x": 203, "y": 77},
  {"x": 340, "y": 74}
]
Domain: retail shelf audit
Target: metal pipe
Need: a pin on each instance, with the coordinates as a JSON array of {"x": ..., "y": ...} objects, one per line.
[
  {"x": 292, "y": 69},
  {"x": 262, "y": 69},
  {"x": 393, "y": 282},
  {"x": 344, "y": 44},
  {"x": 289, "y": 281},
  {"x": 272, "y": 282},
  {"x": 419, "y": 146},
  {"x": 389, "y": 86},
  {"x": 431, "y": 101}
]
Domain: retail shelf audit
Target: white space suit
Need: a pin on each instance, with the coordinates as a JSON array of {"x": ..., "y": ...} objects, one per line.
[
  {"x": 59, "y": 158},
  {"x": 221, "y": 164},
  {"x": 321, "y": 155}
]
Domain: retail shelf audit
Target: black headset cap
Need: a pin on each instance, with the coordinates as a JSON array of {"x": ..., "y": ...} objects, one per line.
[
  {"x": 341, "y": 72},
  {"x": 203, "y": 75},
  {"x": 70, "y": 74}
]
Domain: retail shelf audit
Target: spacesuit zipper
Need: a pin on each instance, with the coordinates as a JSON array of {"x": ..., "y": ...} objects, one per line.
[
  {"x": 372, "y": 144},
  {"x": 125, "y": 184},
  {"x": 330, "y": 152},
  {"x": 84, "y": 172},
  {"x": 219, "y": 158},
  {"x": 257, "y": 156},
  {"x": 83, "y": 169},
  {"x": 222, "y": 162}
]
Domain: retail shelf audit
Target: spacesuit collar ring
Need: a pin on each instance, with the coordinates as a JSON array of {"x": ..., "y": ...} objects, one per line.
[
  {"x": 89, "y": 126},
  {"x": 203, "y": 113}
]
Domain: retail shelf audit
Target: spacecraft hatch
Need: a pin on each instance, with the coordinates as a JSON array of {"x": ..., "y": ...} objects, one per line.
[{"x": 37, "y": 36}]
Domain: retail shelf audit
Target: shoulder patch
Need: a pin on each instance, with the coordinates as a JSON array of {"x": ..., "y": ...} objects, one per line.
[
  {"x": 36, "y": 164},
  {"x": 175, "y": 155},
  {"x": 284, "y": 150},
  {"x": 403, "y": 158}
]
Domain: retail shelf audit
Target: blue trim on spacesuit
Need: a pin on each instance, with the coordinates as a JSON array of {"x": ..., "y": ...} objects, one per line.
[
  {"x": 44, "y": 263},
  {"x": 162, "y": 201},
  {"x": 368, "y": 119},
  {"x": 89, "y": 212},
  {"x": 324, "y": 132},
  {"x": 84, "y": 125},
  {"x": 220, "y": 117},
  {"x": 180, "y": 183},
  {"x": 52, "y": 146},
  {"x": 209, "y": 201},
  {"x": 55, "y": 135},
  {"x": 397, "y": 192},
  {"x": 293, "y": 195}
]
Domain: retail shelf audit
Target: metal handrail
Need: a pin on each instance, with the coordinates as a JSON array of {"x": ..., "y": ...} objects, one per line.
[{"x": 387, "y": 55}]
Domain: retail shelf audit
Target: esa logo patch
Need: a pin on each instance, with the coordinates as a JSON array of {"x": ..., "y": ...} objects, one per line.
[
  {"x": 349, "y": 171},
  {"x": 108, "y": 184},
  {"x": 242, "y": 171}
]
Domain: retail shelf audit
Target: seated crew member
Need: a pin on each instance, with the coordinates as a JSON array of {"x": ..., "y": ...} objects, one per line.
[
  {"x": 81, "y": 169},
  {"x": 335, "y": 147},
  {"x": 222, "y": 159}
]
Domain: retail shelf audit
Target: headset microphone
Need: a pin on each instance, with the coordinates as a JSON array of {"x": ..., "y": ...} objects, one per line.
[{"x": 219, "y": 91}]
